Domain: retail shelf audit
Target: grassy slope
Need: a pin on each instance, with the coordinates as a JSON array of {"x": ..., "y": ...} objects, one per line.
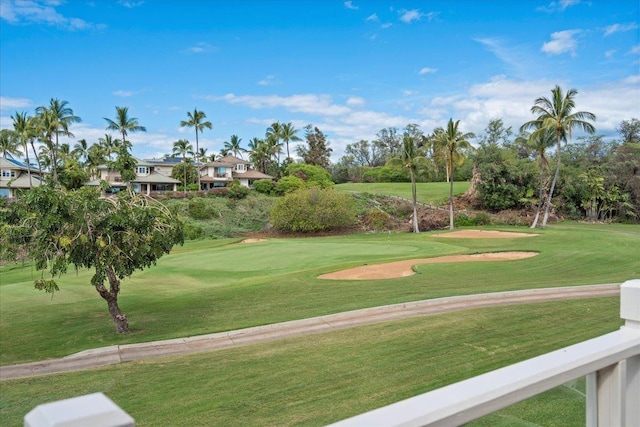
[
  {"x": 435, "y": 193},
  {"x": 209, "y": 286},
  {"x": 323, "y": 378}
]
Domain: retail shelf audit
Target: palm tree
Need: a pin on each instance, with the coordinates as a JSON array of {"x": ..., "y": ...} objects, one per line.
[
  {"x": 233, "y": 146},
  {"x": 183, "y": 147},
  {"x": 454, "y": 143},
  {"x": 272, "y": 135},
  {"x": 56, "y": 120},
  {"x": 201, "y": 156},
  {"x": 9, "y": 143},
  {"x": 556, "y": 114},
  {"x": 24, "y": 131},
  {"x": 124, "y": 124},
  {"x": 81, "y": 149},
  {"x": 108, "y": 145},
  {"x": 196, "y": 121},
  {"x": 288, "y": 133},
  {"x": 411, "y": 156}
]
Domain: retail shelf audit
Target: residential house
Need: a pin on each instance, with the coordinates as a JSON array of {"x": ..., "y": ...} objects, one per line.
[
  {"x": 150, "y": 177},
  {"x": 14, "y": 177},
  {"x": 227, "y": 169}
]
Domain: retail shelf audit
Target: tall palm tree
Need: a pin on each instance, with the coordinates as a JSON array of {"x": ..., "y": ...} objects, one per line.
[
  {"x": 124, "y": 124},
  {"x": 81, "y": 150},
  {"x": 108, "y": 145},
  {"x": 557, "y": 114},
  {"x": 24, "y": 131},
  {"x": 411, "y": 156},
  {"x": 9, "y": 143},
  {"x": 454, "y": 143},
  {"x": 233, "y": 146},
  {"x": 196, "y": 120},
  {"x": 272, "y": 135},
  {"x": 183, "y": 147},
  {"x": 201, "y": 156},
  {"x": 56, "y": 118},
  {"x": 288, "y": 133}
]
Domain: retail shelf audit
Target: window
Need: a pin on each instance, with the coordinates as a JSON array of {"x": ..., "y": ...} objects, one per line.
[
  {"x": 142, "y": 170},
  {"x": 7, "y": 173},
  {"x": 240, "y": 167}
]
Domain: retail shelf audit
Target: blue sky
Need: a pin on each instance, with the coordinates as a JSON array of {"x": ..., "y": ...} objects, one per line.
[{"x": 350, "y": 68}]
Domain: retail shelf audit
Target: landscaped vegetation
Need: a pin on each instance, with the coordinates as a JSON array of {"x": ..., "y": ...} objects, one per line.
[{"x": 214, "y": 282}]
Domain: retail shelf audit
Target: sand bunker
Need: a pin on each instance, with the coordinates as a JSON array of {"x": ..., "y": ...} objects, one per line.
[
  {"x": 483, "y": 234},
  {"x": 253, "y": 240},
  {"x": 396, "y": 269}
]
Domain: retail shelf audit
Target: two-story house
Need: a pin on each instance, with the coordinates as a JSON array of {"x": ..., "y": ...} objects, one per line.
[
  {"x": 150, "y": 177},
  {"x": 14, "y": 177},
  {"x": 227, "y": 169}
]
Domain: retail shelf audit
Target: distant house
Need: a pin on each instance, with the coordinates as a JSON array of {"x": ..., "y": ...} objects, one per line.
[
  {"x": 150, "y": 177},
  {"x": 227, "y": 169},
  {"x": 14, "y": 177}
]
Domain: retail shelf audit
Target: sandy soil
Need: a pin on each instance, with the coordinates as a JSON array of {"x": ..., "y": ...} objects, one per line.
[
  {"x": 253, "y": 240},
  {"x": 396, "y": 269},
  {"x": 483, "y": 234}
]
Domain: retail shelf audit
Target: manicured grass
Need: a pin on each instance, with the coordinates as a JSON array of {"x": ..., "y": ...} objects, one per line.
[
  {"x": 216, "y": 285},
  {"x": 434, "y": 193},
  {"x": 323, "y": 378}
]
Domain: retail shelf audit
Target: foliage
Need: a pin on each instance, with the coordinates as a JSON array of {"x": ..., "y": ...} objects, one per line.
[
  {"x": 310, "y": 174},
  {"x": 313, "y": 209},
  {"x": 388, "y": 173},
  {"x": 317, "y": 151},
  {"x": 264, "y": 186},
  {"x": 237, "y": 191},
  {"x": 72, "y": 175},
  {"x": 188, "y": 169},
  {"x": 288, "y": 184},
  {"x": 114, "y": 236}
]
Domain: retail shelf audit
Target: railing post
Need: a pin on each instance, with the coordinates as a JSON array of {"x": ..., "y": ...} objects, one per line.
[{"x": 613, "y": 392}]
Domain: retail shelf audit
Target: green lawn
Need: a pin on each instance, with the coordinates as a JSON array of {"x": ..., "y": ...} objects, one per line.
[
  {"x": 434, "y": 193},
  {"x": 217, "y": 285},
  {"x": 323, "y": 378}
]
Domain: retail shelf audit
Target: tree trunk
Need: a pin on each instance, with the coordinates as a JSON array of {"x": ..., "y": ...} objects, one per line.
[
  {"x": 120, "y": 320},
  {"x": 197, "y": 154},
  {"x": 451, "y": 203},
  {"x": 541, "y": 201},
  {"x": 553, "y": 186},
  {"x": 414, "y": 193}
]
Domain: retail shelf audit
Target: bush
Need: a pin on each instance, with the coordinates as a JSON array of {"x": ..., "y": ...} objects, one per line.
[
  {"x": 264, "y": 186},
  {"x": 313, "y": 209},
  {"x": 288, "y": 184},
  {"x": 237, "y": 191},
  {"x": 310, "y": 174}
]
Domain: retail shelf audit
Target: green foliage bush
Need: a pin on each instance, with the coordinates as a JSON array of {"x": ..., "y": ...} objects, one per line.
[
  {"x": 313, "y": 209},
  {"x": 386, "y": 174},
  {"x": 310, "y": 174},
  {"x": 264, "y": 186},
  {"x": 288, "y": 184},
  {"x": 237, "y": 191}
]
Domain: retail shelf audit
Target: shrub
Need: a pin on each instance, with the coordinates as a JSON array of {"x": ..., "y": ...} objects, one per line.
[
  {"x": 288, "y": 184},
  {"x": 237, "y": 191},
  {"x": 310, "y": 174},
  {"x": 481, "y": 218},
  {"x": 264, "y": 186},
  {"x": 313, "y": 209}
]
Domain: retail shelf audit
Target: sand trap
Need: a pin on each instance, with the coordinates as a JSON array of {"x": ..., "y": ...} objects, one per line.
[
  {"x": 396, "y": 269},
  {"x": 253, "y": 240},
  {"x": 483, "y": 234}
]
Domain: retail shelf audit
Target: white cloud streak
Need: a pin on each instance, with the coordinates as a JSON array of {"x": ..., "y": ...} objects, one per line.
[
  {"x": 41, "y": 12},
  {"x": 7, "y": 103},
  {"x": 562, "y": 42},
  {"x": 619, "y": 28}
]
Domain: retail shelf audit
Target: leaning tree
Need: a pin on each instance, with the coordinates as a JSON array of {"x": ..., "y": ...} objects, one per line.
[{"x": 112, "y": 236}]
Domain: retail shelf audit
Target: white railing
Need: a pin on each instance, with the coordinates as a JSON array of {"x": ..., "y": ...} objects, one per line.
[{"x": 611, "y": 364}]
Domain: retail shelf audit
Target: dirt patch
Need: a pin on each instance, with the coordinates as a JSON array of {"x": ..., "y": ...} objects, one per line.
[
  {"x": 483, "y": 234},
  {"x": 397, "y": 269}
]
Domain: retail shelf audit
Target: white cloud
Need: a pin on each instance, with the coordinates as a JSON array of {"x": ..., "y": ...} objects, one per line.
[
  {"x": 427, "y": 70},
  {"x": 609, "y": 53},
  {"x": 618, "y": 28},
  {"x": 131, "y": 4},
  {"x": 123, "y": 93},
  {"x": 308, "y": 103},
  {"x": 562, "y": 42},
  {"x": 200, "y": 47},
  {"x": 7, "y": 103},
  {"x": 355, "y": 101},
  {"x": 268, "y": 81},
  {"x": 386, "y": 25},
  {"x": 372, "y": 17},
  {"x": 41, "y": 12},
  {"x": 635, "y": 50},
  {"x": 350, "y": 5},
  {"x": 408, "y": 16},
  {"x": 558, "y": 6}
]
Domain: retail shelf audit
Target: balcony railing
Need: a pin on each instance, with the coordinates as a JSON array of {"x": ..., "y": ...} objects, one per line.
[{"x": 610, "y": 362}]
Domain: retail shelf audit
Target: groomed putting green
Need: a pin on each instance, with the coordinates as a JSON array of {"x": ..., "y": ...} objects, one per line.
[
  {"x": 323, "y": 378},
  {"x": 212, "y": 286}
]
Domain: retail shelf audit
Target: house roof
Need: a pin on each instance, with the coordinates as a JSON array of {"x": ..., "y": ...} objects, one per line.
[
  {"x": 218, "y": 163},
  {"x": 23, "y": 181},
  {"x": 15, "y": 164},
  {"x": 233, "y": 160},
  {"x": 251, "y": 174},
  {"x": 156, "y": 178}
]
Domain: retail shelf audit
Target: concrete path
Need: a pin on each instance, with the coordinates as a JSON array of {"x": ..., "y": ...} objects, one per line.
[{"x": 130, "y": 352}]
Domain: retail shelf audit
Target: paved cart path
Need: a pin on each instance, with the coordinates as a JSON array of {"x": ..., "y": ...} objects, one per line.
[{"x": 129, "y": 352}]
